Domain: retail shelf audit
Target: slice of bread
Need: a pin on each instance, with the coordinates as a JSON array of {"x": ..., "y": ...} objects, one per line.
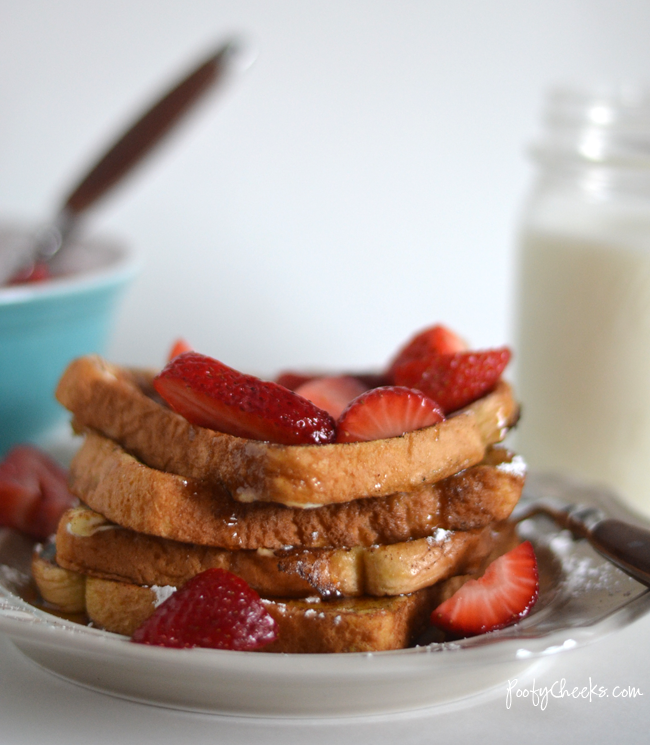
[
  {"x": 308, "y": 625},
  {"x": 135, "y": 496},
  {"x": 304, "y": 626},
  {"x": 120, "y": 404},
  {"x": 88, "y": 543},
  {"x": 63, "y": 589}
]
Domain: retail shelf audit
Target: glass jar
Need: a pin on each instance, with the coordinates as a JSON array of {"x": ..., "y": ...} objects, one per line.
[{"x": 583, "y": 316}]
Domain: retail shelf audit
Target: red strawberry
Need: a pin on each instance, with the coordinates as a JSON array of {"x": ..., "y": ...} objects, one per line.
[
  {"x": 332, "y": 393},
  {"x": 431, "y": 342},
  {"x": 504, "y": 594},
  {"x": 388, "y": 411},
  {"x": 33, "y": 492},
  {"x": 455, "y": 380},
  {"x": 210, "y": 394},
  {"x": 37, "y": 272},
  {"x": 214, "y": 609},
  {"x": 293, "y": 380},
  {"x": 179, "y": 347},
  {"x": 371, "y": 379}
]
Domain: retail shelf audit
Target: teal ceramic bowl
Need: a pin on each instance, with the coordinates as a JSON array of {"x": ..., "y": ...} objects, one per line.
[{"x": 44, "y": 325}]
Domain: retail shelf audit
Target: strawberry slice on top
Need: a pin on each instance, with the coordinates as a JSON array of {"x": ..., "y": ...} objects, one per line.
[
  {"x": 504, "y": 594},
  {"x": 178, "y": 347},
  {"x": 388, "y": 411},
  {"x": 214, "y": 609},
  {"x": 293, "y": 380},
  {"x": 210, "y": 394},
  {"x": 429, "y": 343},
  {"x": 455, "y": 380},
  {"x": 332, "y": 393}
]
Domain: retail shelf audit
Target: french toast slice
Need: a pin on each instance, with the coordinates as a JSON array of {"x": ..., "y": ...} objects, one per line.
[
  {"x": 115, "y": 484},
  {"x": 88, "y": 543},
  {"x": 61, "y": 588},
  {"x": 304, "y": 626},
  {"x": 308, "y": 625},
  {"x": 120, "y": 404}
]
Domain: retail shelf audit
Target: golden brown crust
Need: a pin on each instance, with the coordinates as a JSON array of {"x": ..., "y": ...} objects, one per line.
[
  {"x": 119, "y": 607},
  {"x": 114, "y": 401},
  {"x": 305, "y": 626},
  {"x": 88, "y": 543},
  {"x": 62, "y": 588},
  {"x": 356, "y": 625},
  {"x": 135, "y": 496},
  {"x": 351, "y": 625}
]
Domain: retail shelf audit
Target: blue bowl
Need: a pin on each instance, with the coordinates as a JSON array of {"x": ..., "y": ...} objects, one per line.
[{"x": 45, "y": 325}]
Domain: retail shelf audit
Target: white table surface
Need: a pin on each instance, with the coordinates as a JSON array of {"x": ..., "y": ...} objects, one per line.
[{"x": 36, "y": 707}]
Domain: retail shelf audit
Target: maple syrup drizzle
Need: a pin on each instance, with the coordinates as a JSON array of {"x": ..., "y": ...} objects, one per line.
[{"x": 30, "y": 594}]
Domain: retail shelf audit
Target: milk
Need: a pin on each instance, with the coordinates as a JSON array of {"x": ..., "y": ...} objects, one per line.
[{"x": 583, "y": 347}]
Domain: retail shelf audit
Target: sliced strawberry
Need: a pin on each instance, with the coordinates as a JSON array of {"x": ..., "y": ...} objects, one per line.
[
  {"x": 210, "y": 394},
  {"x": 37, "y": 272},
  {"x": 455, "y": 380},
  {"x": 332, "y": 393},
  {"x": 371, "y": 379},
  {"x": 33, "y": 492},
  {"x": 293, "y": 380},
  {"x": 214, "y": 609},
  {"x": 504, "y": 594},
  {"x": 388, "y": 411},
  {"x": 180, "y": 346},
  {"x": 431, "y": 342}
]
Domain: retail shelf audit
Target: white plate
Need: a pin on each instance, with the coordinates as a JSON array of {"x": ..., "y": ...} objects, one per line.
[{"x": 582, "y": 599}]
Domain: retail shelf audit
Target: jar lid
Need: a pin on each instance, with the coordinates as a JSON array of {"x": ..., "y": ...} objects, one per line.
[{"x": 600, "y": 125}]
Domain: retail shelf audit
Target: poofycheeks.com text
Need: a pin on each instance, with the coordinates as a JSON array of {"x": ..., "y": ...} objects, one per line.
[{"x": 541, "y": 695}]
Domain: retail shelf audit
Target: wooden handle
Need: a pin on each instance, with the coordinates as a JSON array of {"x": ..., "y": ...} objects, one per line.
[
  {"x": 147, "y": 131},
  {"x": 627, "y": 546}
]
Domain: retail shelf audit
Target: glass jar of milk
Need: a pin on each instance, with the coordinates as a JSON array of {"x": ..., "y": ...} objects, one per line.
[{"x": 583, "y": 337}]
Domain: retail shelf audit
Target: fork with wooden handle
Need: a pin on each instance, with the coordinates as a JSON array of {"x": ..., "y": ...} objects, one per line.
[{"x": 625, "y": 545}]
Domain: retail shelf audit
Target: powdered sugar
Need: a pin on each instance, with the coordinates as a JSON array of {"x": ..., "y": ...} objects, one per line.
[
  {"x": 585, "y": 576},
  {"x": 162, "y": 593},
  {"x": 516, "y": 467},
  {"x": 13, "y": 576},
  {"x": 438, "y": 536},
  {"x": 562, "y": 543}
]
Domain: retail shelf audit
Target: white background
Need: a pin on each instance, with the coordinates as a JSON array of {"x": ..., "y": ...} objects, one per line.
[{"x": 363, "y": 179}]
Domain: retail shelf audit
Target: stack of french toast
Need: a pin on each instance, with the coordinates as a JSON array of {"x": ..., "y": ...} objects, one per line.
[{"x": 350, "y": 545}]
